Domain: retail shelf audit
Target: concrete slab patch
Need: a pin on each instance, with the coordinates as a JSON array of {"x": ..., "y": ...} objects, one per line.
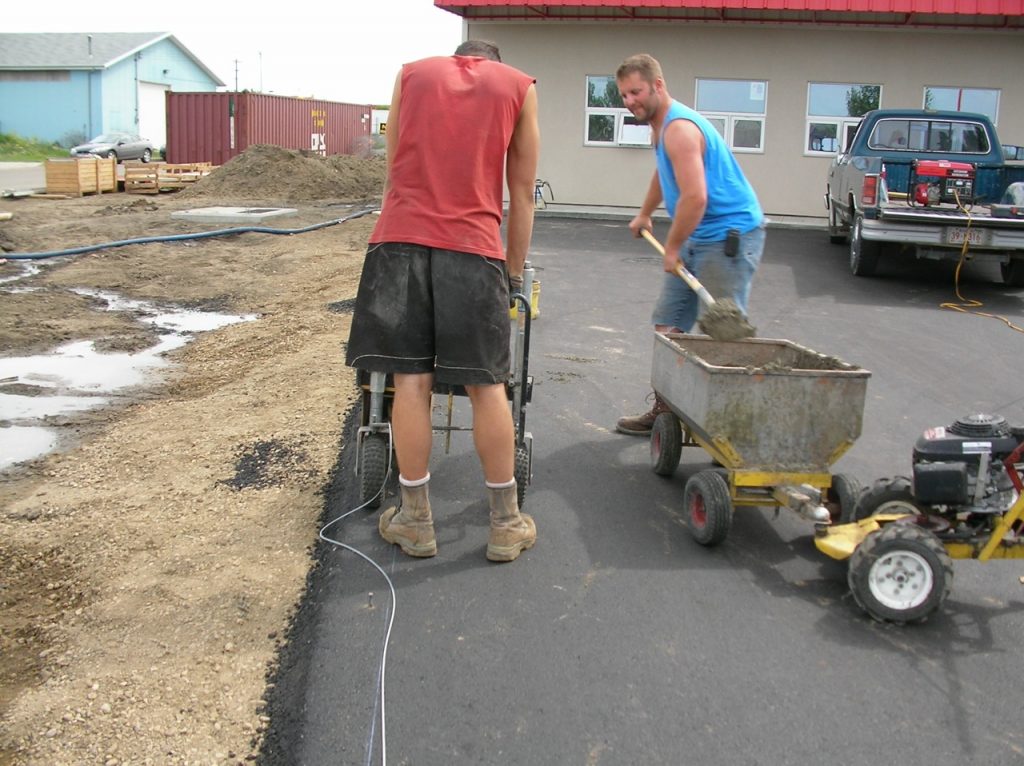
[{"x": 233, "y": 214}]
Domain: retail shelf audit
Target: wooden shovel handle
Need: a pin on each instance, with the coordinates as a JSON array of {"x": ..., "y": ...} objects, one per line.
[{"x": 681, "y": 271}]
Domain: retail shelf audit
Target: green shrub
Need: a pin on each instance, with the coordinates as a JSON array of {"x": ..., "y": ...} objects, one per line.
[{"x": 16, "y": 149}]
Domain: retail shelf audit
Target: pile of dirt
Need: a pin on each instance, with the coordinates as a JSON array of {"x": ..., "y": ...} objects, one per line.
[{"x": 269, "y": 172}]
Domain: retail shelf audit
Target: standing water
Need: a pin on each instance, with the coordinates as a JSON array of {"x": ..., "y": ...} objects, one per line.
[{"x": 75, "y": 377}]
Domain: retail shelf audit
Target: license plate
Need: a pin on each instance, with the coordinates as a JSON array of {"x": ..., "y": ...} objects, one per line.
[{"x": 955, "y": 235}]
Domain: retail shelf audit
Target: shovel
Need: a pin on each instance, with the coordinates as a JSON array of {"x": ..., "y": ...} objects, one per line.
[{"x": 723, "y": 319}]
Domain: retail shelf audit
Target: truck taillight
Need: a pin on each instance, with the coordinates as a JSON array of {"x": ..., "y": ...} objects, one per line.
[{"x": 869, "y": 194}]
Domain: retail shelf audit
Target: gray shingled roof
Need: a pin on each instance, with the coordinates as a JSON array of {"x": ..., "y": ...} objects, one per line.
[{"x": 80, "y": 50}]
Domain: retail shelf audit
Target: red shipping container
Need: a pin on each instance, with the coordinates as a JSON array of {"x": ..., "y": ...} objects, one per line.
[{"x": 214, "y": 127}]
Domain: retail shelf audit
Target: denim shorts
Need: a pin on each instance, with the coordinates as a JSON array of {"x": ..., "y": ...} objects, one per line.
[
  {"x": 724, "y": 277},
  {"x": 421, "y": 309}
]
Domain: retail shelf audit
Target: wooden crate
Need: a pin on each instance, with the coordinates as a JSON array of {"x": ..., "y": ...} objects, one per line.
[
  {"x": 155, "y": 177},
  {"x": 180, "y": 175},
  {"x": 141, "y": 177},
  {"x": 81, "y": 175}
]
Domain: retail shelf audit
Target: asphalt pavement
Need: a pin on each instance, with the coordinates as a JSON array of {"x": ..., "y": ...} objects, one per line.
[
  {"x": 21, "y": 178},
  {"x": 619, "y": 640}
]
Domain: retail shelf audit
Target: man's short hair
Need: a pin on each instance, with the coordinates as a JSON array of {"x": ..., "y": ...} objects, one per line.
[
  {"x": 642, "y": 64},
  {"x": 480, "y": 48}
]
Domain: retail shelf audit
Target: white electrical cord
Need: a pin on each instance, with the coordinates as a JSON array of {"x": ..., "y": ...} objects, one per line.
[{"x": 391, "y": 616}]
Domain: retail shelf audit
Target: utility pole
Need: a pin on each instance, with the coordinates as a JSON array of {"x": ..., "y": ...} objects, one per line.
[{"x": 236, "y": 75}]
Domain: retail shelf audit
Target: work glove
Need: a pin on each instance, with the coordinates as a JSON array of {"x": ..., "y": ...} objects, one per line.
[{"x": 515, "y": 285}]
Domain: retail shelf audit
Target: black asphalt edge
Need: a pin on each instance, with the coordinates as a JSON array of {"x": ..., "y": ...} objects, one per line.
[{"x": 287, "y": 679}]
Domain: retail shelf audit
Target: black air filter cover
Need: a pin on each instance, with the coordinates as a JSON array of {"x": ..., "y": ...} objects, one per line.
[
  {"x": 965, "y": 440},
  {"x": 981, "y": 425}
]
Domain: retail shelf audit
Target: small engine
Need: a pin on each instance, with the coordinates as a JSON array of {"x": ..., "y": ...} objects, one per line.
[
  {"x": 935, "y": 181},
  {"x": 962, "y": 466}
]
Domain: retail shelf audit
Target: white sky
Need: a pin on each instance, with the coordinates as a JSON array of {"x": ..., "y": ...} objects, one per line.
[{"x": 345, "y": 50}]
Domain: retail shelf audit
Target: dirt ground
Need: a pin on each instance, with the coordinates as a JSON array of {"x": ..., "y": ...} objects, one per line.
[{"x": 149, "y": 568}]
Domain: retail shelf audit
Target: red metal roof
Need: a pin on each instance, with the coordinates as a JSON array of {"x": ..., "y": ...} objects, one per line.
[
  {"x": 955, "y": 7},
  {"x": 973, "y": 13}
]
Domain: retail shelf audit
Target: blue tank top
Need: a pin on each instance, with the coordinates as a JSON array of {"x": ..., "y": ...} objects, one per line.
[{"x": 732, "y": 203}]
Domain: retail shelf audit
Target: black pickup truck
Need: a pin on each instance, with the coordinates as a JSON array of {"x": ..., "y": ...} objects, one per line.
[{"x": 937, "y": 184}]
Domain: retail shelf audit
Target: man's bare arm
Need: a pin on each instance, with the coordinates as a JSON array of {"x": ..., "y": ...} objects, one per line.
[
  {"x": 684, "y": 144},
  {"x": 521, "y": 175},
  {"x": 652, "y": 199}
]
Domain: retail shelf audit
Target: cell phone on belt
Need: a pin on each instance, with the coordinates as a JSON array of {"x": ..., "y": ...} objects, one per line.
[{"x": 732, "y": 243}]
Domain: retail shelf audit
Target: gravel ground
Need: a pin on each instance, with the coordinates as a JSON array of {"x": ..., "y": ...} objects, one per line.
[{"x": 152, "y": 564}]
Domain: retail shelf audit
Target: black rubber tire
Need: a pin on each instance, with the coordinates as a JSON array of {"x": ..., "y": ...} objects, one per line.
[
  {"x": 1013, "y": 272},
  {"x": 836, "y": 235},
  {"x": 889, "y": 495},
  {"x": 841, "y": 498},
  {"x": 900, "y": 573},
  {"x": 147, "y": 155},
  {"x": 666, "y": 444},
  {"x": 111, "y": 154},
  {"x": 863, "y": 254},
  {"x": 522, "y": 475},
  {"x": 373, "y": 471},
  {"x": 708, "y": 507}
]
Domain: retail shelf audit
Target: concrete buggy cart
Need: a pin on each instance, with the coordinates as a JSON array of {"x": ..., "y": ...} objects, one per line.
[
  {"x": 374, "y": 446},
  {"x": 772, "y": 414}
]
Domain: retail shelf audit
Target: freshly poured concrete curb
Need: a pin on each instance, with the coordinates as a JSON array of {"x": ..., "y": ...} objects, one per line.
[{"x": 233, "y": 214}]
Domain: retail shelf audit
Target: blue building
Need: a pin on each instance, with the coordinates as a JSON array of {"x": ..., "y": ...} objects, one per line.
[{"x": 67, "y": 87}]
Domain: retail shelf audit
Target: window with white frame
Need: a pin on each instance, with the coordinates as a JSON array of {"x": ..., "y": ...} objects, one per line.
[
  {"x": 979, "y": 100},
  {"x": 833, "y": 114},
  {"x": 607, "y": 121},
  {"x": 737, "y": 110}
]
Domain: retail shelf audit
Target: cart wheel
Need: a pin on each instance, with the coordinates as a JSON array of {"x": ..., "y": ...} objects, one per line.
[
  {"x": 894, "y": 495},
  {"x": 708, "y": 507},
  {"x": 900, "y": 573},
  {"x": 522, "y": 474},
  {"x": 841, "y": 498},
  {"x": 666, "y": 444},
  {"x": 374, "y": 470}
]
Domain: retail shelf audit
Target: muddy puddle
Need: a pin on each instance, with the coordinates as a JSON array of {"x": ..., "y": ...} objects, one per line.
[{"x": 40, "y": 392}]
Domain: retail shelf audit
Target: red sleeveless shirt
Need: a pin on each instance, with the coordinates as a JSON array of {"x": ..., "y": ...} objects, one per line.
[{"x": 456, "y": 118}]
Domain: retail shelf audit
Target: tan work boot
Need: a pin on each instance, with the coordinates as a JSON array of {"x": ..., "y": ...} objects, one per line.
[
  {"x": 512, "y": 532},
  {"x": 641, "y": 425},
  {"x": 410, "y": 525}
]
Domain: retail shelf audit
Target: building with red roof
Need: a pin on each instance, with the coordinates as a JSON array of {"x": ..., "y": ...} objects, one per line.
[{"x": 784, "y": 80}]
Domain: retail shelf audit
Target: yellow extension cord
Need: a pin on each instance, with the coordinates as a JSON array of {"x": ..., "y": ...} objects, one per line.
[{"x": 967, "y": 305}]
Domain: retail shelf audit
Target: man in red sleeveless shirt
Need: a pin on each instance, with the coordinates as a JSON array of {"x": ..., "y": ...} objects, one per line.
[{"x": 434, "y": 294}]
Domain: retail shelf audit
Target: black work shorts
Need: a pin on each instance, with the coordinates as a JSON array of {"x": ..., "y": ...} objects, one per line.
[{"x": 421, "y": 309}]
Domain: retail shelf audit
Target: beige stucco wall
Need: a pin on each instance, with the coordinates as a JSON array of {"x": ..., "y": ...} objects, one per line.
[{"x": 561, "y": 54}]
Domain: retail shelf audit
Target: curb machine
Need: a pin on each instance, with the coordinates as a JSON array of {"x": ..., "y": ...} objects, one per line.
[
  {"x": 964, "y": 501},
  {"x": 775, "y": 415},
  {"x": 374, "y": 447}
]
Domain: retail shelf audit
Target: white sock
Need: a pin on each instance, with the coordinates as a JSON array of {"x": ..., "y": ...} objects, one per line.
[
  {"x": 418, "y": 483},
  {"x": 502, "y": 485}
]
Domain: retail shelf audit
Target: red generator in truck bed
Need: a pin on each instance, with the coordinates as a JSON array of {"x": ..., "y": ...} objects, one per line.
[{"x": 935, "y": 181}]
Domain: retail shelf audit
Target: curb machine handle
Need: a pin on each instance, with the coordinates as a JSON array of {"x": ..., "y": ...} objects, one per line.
[
  {"x": 1011, "y": 466},
  {"x": 522, "y": 353}
]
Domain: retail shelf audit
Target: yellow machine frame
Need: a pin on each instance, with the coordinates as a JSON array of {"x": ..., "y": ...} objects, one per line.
[{"x": 839, "y": 542}]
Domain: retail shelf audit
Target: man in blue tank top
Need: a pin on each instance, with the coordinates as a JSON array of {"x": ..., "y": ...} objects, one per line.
[{"x": 717, "y": 228}]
